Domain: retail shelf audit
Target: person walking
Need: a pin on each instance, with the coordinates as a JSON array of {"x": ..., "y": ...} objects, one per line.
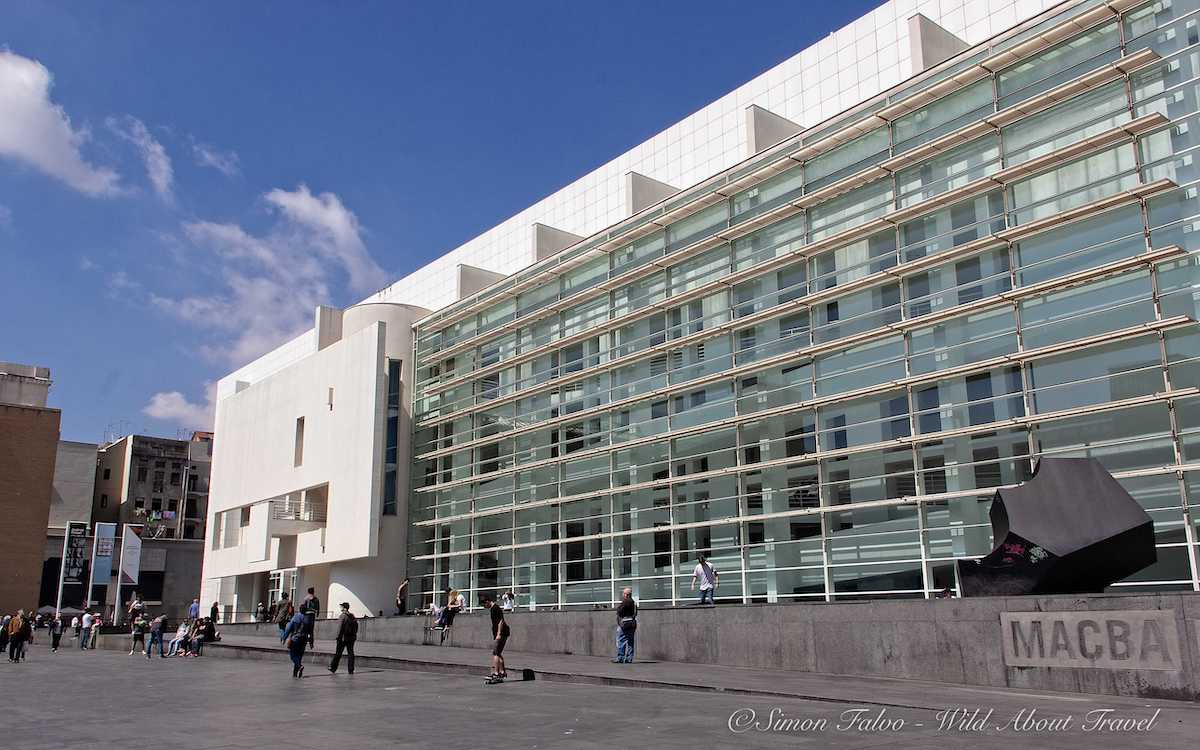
[
  {"x": 260, "y": 613},
  {"x": 157, "y": 626},
  {"x": 707, "y": 576},
  {"x": 56, "y": 632},
  {"x": 626, "y": 627},
  {"x": 194, "y": 610},
  {"x": 75, "y": 626},
  {"x": 18, "y": 626},
  {"x": 214, "y": 611},
  {"x": 310, "y": 608},
  {"x": 95, "y": 636},
  {"x": 283, "y": 613},
  {"x": 295, "y": 639},
  {"x": 4, "y": 633},
  {"x": 500, "y": 633},
  {"x": 347, "y": 634},
  {"x": 85, "y": 632},
  {"x": 402, "y": 597}
]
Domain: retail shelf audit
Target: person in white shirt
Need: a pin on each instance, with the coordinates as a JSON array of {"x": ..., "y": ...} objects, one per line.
[
  {"x": 75, "y": 625},
  {"x": 707, "y": 576},
  {"x": 508, "y": 601},
  {"x": 86, "y": 634}
]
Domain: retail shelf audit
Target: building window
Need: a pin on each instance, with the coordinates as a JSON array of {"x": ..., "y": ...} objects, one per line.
[
  {"x": 299, "y": 457},
  {"x": 175, "y": 479},
  {"x": 245, "y": 519},
  {"x": 390, "y": 458},
  {"x": 104, "y": 501},
  {"x": 156, "y": 503},
  {"x": 140, "y": 503},
  {"x": 142, "y": 474},
  {"x": 107, "y": 473}
]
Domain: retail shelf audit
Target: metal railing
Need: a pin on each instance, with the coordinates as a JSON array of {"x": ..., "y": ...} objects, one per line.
[{"x": 308, "y": 510}]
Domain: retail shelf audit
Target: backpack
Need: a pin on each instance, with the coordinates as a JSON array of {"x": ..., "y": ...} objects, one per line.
[
  {"x": 350, "y": 626},
  {"x": 285, "y": 614}
]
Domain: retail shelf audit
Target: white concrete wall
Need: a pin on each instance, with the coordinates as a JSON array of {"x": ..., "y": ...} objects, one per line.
[
  {"x": 254, "y": 458},
  {"x": 74, "y": 483}
]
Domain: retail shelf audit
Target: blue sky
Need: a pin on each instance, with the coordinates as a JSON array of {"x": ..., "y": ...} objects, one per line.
[{"x": 180, "y": 183}]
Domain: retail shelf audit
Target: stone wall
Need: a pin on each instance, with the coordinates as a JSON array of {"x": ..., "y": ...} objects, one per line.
[
  {"x": 28, "y": 446},
  {"x": 959, "y": 641}
]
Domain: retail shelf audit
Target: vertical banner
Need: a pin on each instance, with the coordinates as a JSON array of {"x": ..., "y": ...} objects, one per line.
[
  {"x": 74, "y": 553},
  {"x": 102, "y": 553},
  {"x": 131, "y": 555}
]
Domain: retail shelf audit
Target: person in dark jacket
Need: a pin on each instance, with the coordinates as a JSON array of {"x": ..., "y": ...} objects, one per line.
[
  {"x": 626, "y": 627},
  {"x": 295, "y": 639},
  {"x": 347, "y": 634},
  {"x": 282, "y": 612},
  {"x": 310, "y": 608},
  {"x": 18, "y": 630}
]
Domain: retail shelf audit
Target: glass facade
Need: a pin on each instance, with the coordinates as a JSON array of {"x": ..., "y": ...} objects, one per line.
[{"x": 819, "y": 379}]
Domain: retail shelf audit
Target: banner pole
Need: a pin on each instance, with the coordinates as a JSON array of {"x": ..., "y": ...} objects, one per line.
[
  {"x": 87, "y": 602},
  {"x": 120, "y": 569}
]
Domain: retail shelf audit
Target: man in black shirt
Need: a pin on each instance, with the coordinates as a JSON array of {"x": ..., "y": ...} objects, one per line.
[
  {"x": 500, "y": 637},
  {"x": 626, "y": 627},
  {"x": 310, "y": 608}
]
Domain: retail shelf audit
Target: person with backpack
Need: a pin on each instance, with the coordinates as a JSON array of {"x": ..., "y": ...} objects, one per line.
[
  {"x": 347, "y": 634},
  {"x": 626, "y": 627},
  {"x": 310, "y": 608},
  {"x": 295, "y": 639},
  {"x": 282, "y": 613},
  {"x": 707, "y": 576}
]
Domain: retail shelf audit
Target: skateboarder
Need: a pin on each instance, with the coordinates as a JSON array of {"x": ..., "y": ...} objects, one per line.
[{"x": 500, "y": 637}]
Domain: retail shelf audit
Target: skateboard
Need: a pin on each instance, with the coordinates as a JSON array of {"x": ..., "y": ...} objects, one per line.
[{"x": 493, "y": 680}]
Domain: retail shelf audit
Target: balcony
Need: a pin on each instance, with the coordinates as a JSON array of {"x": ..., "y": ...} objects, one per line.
[{"x": 299, "y": 512}]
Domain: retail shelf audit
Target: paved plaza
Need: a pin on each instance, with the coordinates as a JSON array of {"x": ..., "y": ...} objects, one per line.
[{"x": 108, "y": 699}]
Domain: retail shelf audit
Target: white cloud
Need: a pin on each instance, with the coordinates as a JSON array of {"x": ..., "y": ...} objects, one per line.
[
  {"x": 336, "y": 228},
  {"x": 37, "y": 132},
  {"x": 225, "y": 162},
  {"x": 269, "y": 284},
  {"x": 173, "y": 406},
  {"x": 154, "y": 156}
]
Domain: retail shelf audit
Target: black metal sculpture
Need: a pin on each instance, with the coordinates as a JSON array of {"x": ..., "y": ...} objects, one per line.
[{"x": 1070, "y": 529}]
